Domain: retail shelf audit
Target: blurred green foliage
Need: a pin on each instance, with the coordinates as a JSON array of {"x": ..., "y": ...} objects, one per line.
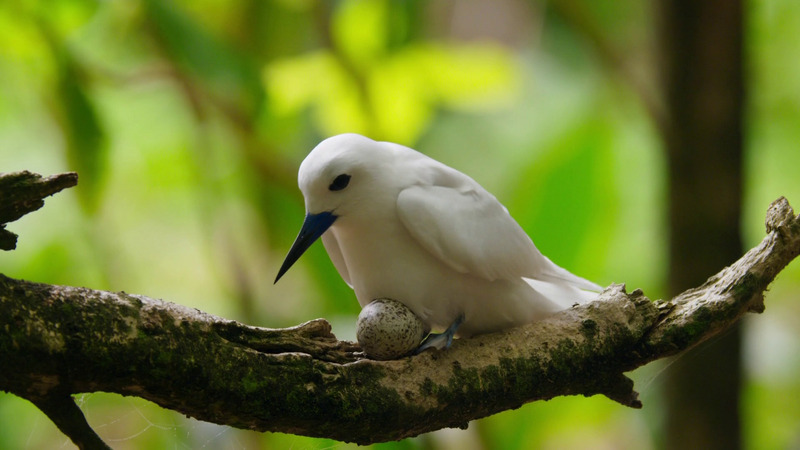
[{"x": 187, "y": 120}]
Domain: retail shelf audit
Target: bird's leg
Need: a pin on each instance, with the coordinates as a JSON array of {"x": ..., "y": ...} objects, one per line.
[{"x": 441, "y": 340}]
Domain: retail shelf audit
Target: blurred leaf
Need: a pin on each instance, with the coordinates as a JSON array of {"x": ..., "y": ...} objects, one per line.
[
  {"x": 404, "y": 88},
  {"x": 270, "y": 29},
  {"x": 226, "y": 71},
  {"x": 405, "y": 444},
  {"x": 407, "y": 87},
  {"x": 472, "y": 77},
  {"x": 408, "y": 22},
  {"x": 565, "y": 199},
  {"x": 562, "y": 423},
  {"x": 316, "y": 80},
  {"x": 401, "y": 99},
  {"x": 19, "y": 37},
  {"x": 86, "y": 145},
  {"x": 359, "y": 30},
  {"x": 365, "y": 31}
]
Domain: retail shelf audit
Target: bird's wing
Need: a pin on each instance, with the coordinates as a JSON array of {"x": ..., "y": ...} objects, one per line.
[
  {"x": 557, "y": 274},
  {"x": 335, "y": 254},
  {"x": 469, "y": 230}
]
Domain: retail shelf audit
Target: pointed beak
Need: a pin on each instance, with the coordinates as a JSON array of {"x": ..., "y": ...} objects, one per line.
[{"x": 313, "y": 227}]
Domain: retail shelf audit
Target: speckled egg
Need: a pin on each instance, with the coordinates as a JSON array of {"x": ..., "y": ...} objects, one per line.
[{"x": 387, "y": 329}]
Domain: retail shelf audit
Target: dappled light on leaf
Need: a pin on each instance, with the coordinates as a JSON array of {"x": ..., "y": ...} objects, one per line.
[
  {"x": 317, "y": 81},
  {"x": 404, "y": 88},
  {"x": 359, "y": 31}
]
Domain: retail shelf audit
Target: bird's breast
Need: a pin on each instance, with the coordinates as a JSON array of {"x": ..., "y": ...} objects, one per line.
[{"x": 384, "y": 261}]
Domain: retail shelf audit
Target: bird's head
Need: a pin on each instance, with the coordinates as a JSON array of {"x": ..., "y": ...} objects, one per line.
[{"x": 345, "y": 176}]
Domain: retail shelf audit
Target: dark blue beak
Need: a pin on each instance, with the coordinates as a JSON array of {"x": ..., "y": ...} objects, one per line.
[{"x": 313, "y": 227}]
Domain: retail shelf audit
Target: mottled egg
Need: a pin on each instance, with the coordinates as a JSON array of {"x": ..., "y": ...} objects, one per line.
[{"x": 387, "y": 329}]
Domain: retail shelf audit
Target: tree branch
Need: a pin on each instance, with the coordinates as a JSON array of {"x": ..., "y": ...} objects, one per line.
[
  {"x": 63, "y": 411},
  {"x": 24, "y": 192},
  {"x": 60, "y": 340}
]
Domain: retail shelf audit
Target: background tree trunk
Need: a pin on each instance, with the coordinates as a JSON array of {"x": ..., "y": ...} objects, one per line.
[{"x": 703, "y": 81}]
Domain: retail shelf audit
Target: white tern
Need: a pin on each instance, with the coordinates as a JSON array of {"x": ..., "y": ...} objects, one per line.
[{"x": 398, "y": 224}]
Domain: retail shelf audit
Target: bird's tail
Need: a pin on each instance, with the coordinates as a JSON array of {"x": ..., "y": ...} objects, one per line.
[
  {"x": 563, "y": 287},
  {"x": 561, "y": 295},
  {"x": 556, "y": 274}
]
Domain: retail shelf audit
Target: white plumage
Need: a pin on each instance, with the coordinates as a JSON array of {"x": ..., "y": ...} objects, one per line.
[{"x": 398, "y": 224}]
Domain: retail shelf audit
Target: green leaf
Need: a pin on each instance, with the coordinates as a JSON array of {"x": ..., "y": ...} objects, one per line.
[
  {"x": 403, "y": 89},
  {"x": 359, "y": 30},
  {"x": 565, "y": 199},
  {"x": 406, "y": 88},
  {"x": 85, "y": 139},
  {"x": 319, "y": 81}
]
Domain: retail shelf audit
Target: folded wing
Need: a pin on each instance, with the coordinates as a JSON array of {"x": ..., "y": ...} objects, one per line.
[{"x": 470, "y": 231}]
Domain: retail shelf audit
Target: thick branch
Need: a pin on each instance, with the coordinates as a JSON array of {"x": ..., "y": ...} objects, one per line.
[
  {"x": 302, "y": 380},
  {"x": 24, "y": 192}
]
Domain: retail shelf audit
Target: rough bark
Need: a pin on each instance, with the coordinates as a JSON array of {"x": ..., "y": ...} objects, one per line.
[
  {"x": 58, "y": 340},
  {"x": 24, "y": 192}
]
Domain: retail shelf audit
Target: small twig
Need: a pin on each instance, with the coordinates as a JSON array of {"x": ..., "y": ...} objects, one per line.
[
  {"x": 66, "y": 415},
  {"x": 24, "y": 192}
]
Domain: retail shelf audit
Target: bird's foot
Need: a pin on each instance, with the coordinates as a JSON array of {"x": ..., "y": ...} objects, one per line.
[{"x": 441, "y": 340}]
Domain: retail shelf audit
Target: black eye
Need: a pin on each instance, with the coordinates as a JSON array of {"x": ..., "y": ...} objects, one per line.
[{"x": 340, "y": 182}]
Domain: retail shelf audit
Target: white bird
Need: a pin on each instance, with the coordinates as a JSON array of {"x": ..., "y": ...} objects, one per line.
[{"x": 398, "y": 224}]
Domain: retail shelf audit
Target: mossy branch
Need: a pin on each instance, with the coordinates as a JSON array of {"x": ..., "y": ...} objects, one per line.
[{"x": 60, "y": 340}]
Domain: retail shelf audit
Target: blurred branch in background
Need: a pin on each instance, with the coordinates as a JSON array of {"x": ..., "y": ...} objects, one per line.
[
  {"x": 698, "y": 109},
  {"x": 702, "y": 45}
]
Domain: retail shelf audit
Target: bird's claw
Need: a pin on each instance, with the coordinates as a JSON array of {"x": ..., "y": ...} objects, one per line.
[{"x": 441, "y": 341}]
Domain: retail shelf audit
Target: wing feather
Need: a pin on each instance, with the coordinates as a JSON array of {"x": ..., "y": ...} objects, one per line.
[
  {"x": 469, "y": 230},
  {"x": 458, "y": 221}
]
